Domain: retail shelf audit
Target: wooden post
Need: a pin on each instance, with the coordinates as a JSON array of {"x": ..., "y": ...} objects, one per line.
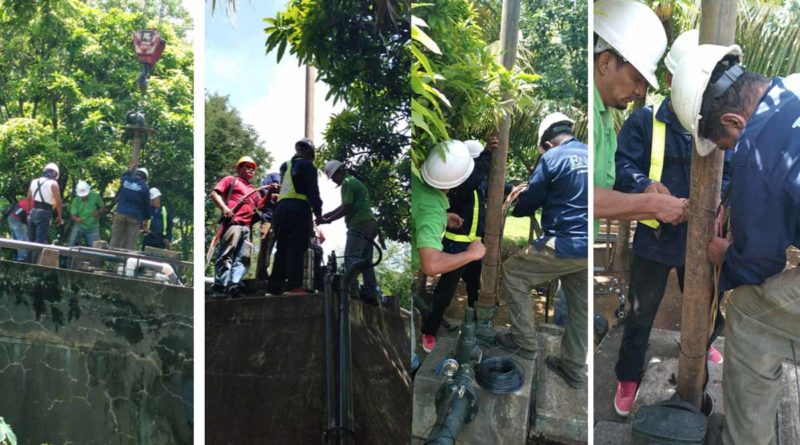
[
  {"x": 311, "y": 73},
  {"x": 509, "y": 31},
  {"x": 136, "y": 147},
  {"x": 717, "y": 26}
]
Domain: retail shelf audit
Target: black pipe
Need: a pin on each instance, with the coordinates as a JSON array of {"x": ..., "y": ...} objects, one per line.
[
  {"x": 456, "y": 405},
  {"x": 331, "y": 428}
]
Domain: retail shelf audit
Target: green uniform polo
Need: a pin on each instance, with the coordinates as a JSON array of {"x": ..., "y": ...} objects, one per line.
[
  {"x": 83, "y": 209},
  {"x": 605, "y": 147},
  {"x": 428, "y": 216},
  {"x": 355, "y": 193}
]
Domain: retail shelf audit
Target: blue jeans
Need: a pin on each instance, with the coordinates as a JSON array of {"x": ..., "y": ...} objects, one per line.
[
  {"x": 19, "y": 232},
  {"x": 90, "y": 235},
  {"x": 358, "y": 247},
  {"x": 233, "y": 257}
]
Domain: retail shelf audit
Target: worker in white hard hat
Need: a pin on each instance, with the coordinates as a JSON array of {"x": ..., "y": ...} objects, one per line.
[
  {"x": 653, "y": 155},
  {"x": 160, "y": 233},
  {"x": 133, "y": 209},
  {"x": 362, "y": 227},
  {"x": 85, "y": 211},
  {"x": 44, "y": 197},
  {"x": 629, "y": 41},
  {"x": 467, "y": 211},
  {"x": 447, "y": 166},
  {"x": 559, "y": 187},
  {"x": 725, "y": 106}
]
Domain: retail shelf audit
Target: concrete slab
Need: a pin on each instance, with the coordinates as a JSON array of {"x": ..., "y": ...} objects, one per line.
[
  {"x": 560, "y": 413},
  {"x": 501, "y": 419},
  {"x": 612, "y": 433}
]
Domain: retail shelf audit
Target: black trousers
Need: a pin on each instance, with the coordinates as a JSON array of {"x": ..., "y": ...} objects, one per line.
[
  {"x": 446, "y": 288},
  {"x": 645, "y": 292},
  {"x": 292, "y": 233}
]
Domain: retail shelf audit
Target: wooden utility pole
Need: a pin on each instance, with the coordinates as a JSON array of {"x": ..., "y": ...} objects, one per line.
[
  {"x": 509, "y": 32},
  {"x": 311, "y": 73},
  {"x": 717, "y": 26}
]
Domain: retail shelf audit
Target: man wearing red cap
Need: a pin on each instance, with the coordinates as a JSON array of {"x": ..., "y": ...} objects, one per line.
[{"x": 235, "y": 198}]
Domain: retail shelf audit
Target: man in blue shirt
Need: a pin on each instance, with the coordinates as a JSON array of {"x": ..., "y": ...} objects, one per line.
[
  {"x": 559, "y": 186},
  {"x": 133, "y": 209},
  {"x": 728, "y": 107},
  {"x": 646, "y": 141},
  {"x": 292, "y": 219},
  {"x": 160, "y": 233}
]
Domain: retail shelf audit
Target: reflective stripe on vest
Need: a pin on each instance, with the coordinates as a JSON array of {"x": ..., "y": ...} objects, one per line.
[
  {"x": 164, "y": 221},
  {"x": 287, "y": 185},
  {"x": 656, "y": 157},
  {"x": 472, "y": 230}
]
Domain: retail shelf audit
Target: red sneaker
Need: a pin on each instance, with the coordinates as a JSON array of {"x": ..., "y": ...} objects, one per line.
[
  {"x": 715, "y": 356},
  {"x": 298, "y": 290},
  {"x": 626, "y": 394},
  {"x": 428, "y": 343}
]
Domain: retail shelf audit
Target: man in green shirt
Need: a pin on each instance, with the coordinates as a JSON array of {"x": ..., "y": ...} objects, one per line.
[
  {"x": 362, "y": 228},
  {"x": 446, "y": 167},
  {"x": 85, "y": 211},
  {"x": 629, "y": 42}
]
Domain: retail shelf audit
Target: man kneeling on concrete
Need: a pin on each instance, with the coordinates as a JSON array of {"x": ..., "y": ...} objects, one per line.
[
  {"x": 725, "y": 106},
  {"x": 559, "y": 186},
  {"x": 362, "y": 227}
]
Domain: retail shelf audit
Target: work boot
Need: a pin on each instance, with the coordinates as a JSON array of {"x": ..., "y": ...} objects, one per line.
[
  {"x": 624, "y": 397},
  {"x": 508, "y": 344},
  {"x": 556, "y": 364},
  {"x": 716, "y": 423}
]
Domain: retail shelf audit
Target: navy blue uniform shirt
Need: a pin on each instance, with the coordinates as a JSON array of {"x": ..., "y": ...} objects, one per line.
[
  {"x": 666, "y": 245},
  {"x": 765, "y": 188},
  {"x": 560, "y": 186},
  {"x": 304, "y": 178},
  {"x": 133, "y": 198}
]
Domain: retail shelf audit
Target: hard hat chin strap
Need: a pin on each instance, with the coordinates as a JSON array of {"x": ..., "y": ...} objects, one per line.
[{"x": 717, "y": 88}]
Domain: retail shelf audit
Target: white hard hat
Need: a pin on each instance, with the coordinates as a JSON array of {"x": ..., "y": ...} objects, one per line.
[
  {"x": 154, "y": 193},
  {"x": 331, "y": 167},
  {"x": 689, "y": 85},
  {"x": 83, "y": 188},
  {"x": 634, "y": 31},
  {"x": 448, "y": 165},
  {"x": 143, "y": 170},
  {"x": 51, "y": 166},
  {"x": 550, "y": 120},
  {"x": 683, "y": 44},
  {"x": 475, "y": 148}
]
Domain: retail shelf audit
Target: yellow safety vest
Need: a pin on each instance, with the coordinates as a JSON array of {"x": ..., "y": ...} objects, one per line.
[
  {"x": 287, "y": 186},
  {"x": 473, "y": 230},
  {"x": 658, "y": 146}
]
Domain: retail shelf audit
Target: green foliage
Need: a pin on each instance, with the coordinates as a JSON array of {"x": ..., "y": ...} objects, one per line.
[
  {"x": 69, "y": 66},
  {"x": 358, "y": 50},
  {"x": 227, "y": 139},
  {"x": 394, "y": 272}
]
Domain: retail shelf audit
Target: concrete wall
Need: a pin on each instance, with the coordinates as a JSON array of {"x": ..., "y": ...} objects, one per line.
[
  {"x": 94, "y": 359},
  {"x": 265, "y": 372}
]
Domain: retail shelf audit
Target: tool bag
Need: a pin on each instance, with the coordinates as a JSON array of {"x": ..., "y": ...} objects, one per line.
[{"x": 671, "y": 422}]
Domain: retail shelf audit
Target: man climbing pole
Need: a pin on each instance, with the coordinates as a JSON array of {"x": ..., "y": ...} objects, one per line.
[
  {"x": 467, "y": 202},
  {"x": 559, "y": 186},
  {"x": 292, "y": 219},
  {"x": 238, "y": 202},
  {"x": 362, "y": 228},
  {"x": 148, "y": 46},
  {"x": 725, "y": 106}
]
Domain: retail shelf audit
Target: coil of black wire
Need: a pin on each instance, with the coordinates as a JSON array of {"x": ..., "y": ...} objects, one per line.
[{"x": 499, "y": 375}]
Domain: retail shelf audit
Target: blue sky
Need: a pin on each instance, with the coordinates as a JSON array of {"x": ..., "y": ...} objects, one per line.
[{"x": 268, "y": 95}]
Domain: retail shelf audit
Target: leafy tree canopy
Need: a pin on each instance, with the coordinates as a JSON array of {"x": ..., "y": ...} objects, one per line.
[{"x": 68, "y": 79}]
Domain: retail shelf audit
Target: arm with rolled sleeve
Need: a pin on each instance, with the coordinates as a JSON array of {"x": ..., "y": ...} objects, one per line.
[
  {"x": 536, "y": 194},
  {"x": 308, "y": 173},
  {"x": 633, "y": 152}
]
